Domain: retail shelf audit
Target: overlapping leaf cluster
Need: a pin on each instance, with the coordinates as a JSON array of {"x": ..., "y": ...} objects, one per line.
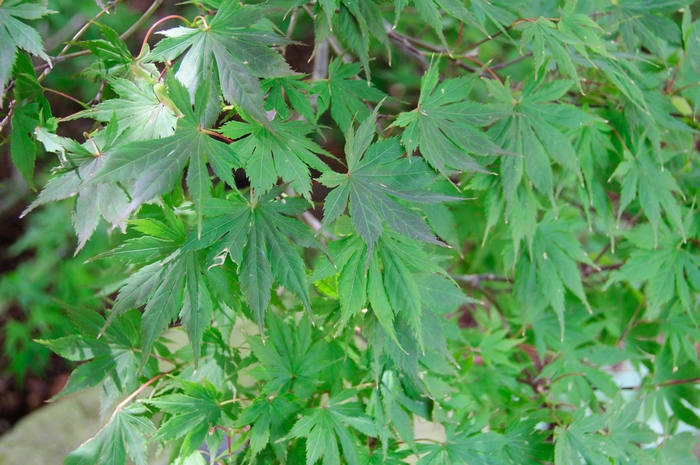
[{"x": 458, "y": 259}]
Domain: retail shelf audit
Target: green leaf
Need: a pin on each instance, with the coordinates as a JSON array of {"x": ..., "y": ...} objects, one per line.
[
  {"x": 139, "y": 112},
  {"x": 445, "y": 125},
  {"x": 654, "y": 187},
  {"x": 191, "y": 414},
  {"x": 124, "y": 434},
  {"x": 279, "y": 150},
  {"x": 324, "y": 427},
  {"x": 290, "y": 360},
  {"x": 15, "y": 34},
  {"x": 271, "y": 419},
  {"x": 154, "y": 166},
  {"x": 344, "y": 95},
  {"x": 256, "y": 237},
  {"x": 240, "y": 51},
  {"x": 377, "y": 176}
]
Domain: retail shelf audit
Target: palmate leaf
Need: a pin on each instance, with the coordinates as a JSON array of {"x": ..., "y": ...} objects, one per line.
[
  {"x": 125, "y": 434},
  {"x": 640, "y": 22},
  {"x": 377, "y": 175},
  {"x": 190, "y": 414},
  {"x": 270, "y": 419},
  {"x": 14, "y": 34},
  {"x": 357, "y": 22},
  {"x": 296, "y": 92},
  {"x": 429, "y": 10},
  {"x": 344, "y": 95},
  {"x": 79, "y": 163},
  {"x": 385, "y": 406},
  {"x": 30, "y": 108},
  {"x": 290, "y": 358},
  {"x": 279, "y": 150},
  {"x": 444, "y": 125},
  {"x": 111, "y": 49},
  {"x": 551, "y": 268},
  {"x": 641, "y": 178},
  {"x": 256, "y": 236},
  {"x": 466, "y": 446},
  {"x": 324, "y": 426},
  {"x": 500, "y": 16},
  {"x": 155, "y": 166},
  {"x": 597, "y": 438},
  {"x": 113, "y": 360},
  {"x": 536, "y": 131},
  {"x": 240, "y": 52},
  {"x": 670, "y": 268},
  {"x": 386, "y": 278},
  {"x": 139, "y": 112},
  {"x": 176, "y": 286}
]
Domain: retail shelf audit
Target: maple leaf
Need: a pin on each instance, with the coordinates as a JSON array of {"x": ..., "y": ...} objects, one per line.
[
  {"x": 430, "y": 12},
  {"x": 641, "y": 177},
  {"x": 190, "y": 414},
  {"x": 14, "y": 34},
  {"x": 297, "y": 93},
  {"x": 551, "y": 267},
  {"x": 78, "y": 164},
  {"x": 290, "y": 359},
  {"x": 533, "y": 131},
  {"x": 444, "y": 124},
  {"x": 324, "y": 426},
  {"x": 378, "y": 174},
  {"x": 256, "y": 236},
  {"x": 140, "y": 113},
  {"x": 125, "y": 433},
  {"x": 271, "y": 419},
  {"x": 280, "y": 149},
  {"x": 154, "y": 166},
  {"x": 113, "y": 360},
  {"x": 344, "y": 95},
  {"x": 669, "y": 267},
  {"x": 240, "y": 51},
  {"x": 176, "y": 286},
  {"x": 639, "y": 21},
  {"x": 31, "y": 109}
]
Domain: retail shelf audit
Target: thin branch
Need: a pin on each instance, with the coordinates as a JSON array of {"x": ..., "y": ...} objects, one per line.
[
  {"x": 473, "y": 280},
  {"x": 511, "y": 62},
  {"x": 290, "y": 29},
  {"x": 75, "y": 38},
  {"x": 144, "y": 17},
  {"x": 139, "y": 390},
  {"x": 82, "y": 104}
]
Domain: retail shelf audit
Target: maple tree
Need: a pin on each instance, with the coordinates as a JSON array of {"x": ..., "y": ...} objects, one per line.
[{"x": 471, "y": 214}]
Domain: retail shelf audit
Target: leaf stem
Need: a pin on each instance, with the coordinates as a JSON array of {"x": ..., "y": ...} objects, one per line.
[
  {"x": 155, "y": 25},
  {"x": 82, "y": 104},
  {"x": 139, "y": 390},
  {"x": 216, "y": 134}
]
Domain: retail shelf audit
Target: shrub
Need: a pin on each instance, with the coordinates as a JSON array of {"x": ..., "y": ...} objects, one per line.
[{"x": 481, "y": 217}]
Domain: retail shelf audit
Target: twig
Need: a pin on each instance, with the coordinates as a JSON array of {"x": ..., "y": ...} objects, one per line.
[
  {"x": 139, "y": 390},
  {"x": 511, "y": 62},
  {"x": 316, "y": 225},
  {"x": 82, "y": 104},
  {"x": 474, "y": 280},
  {"x": 290, "y": 29},
  {"x": 146, "y": 14},
  {"x": 77, "y": 36}
]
